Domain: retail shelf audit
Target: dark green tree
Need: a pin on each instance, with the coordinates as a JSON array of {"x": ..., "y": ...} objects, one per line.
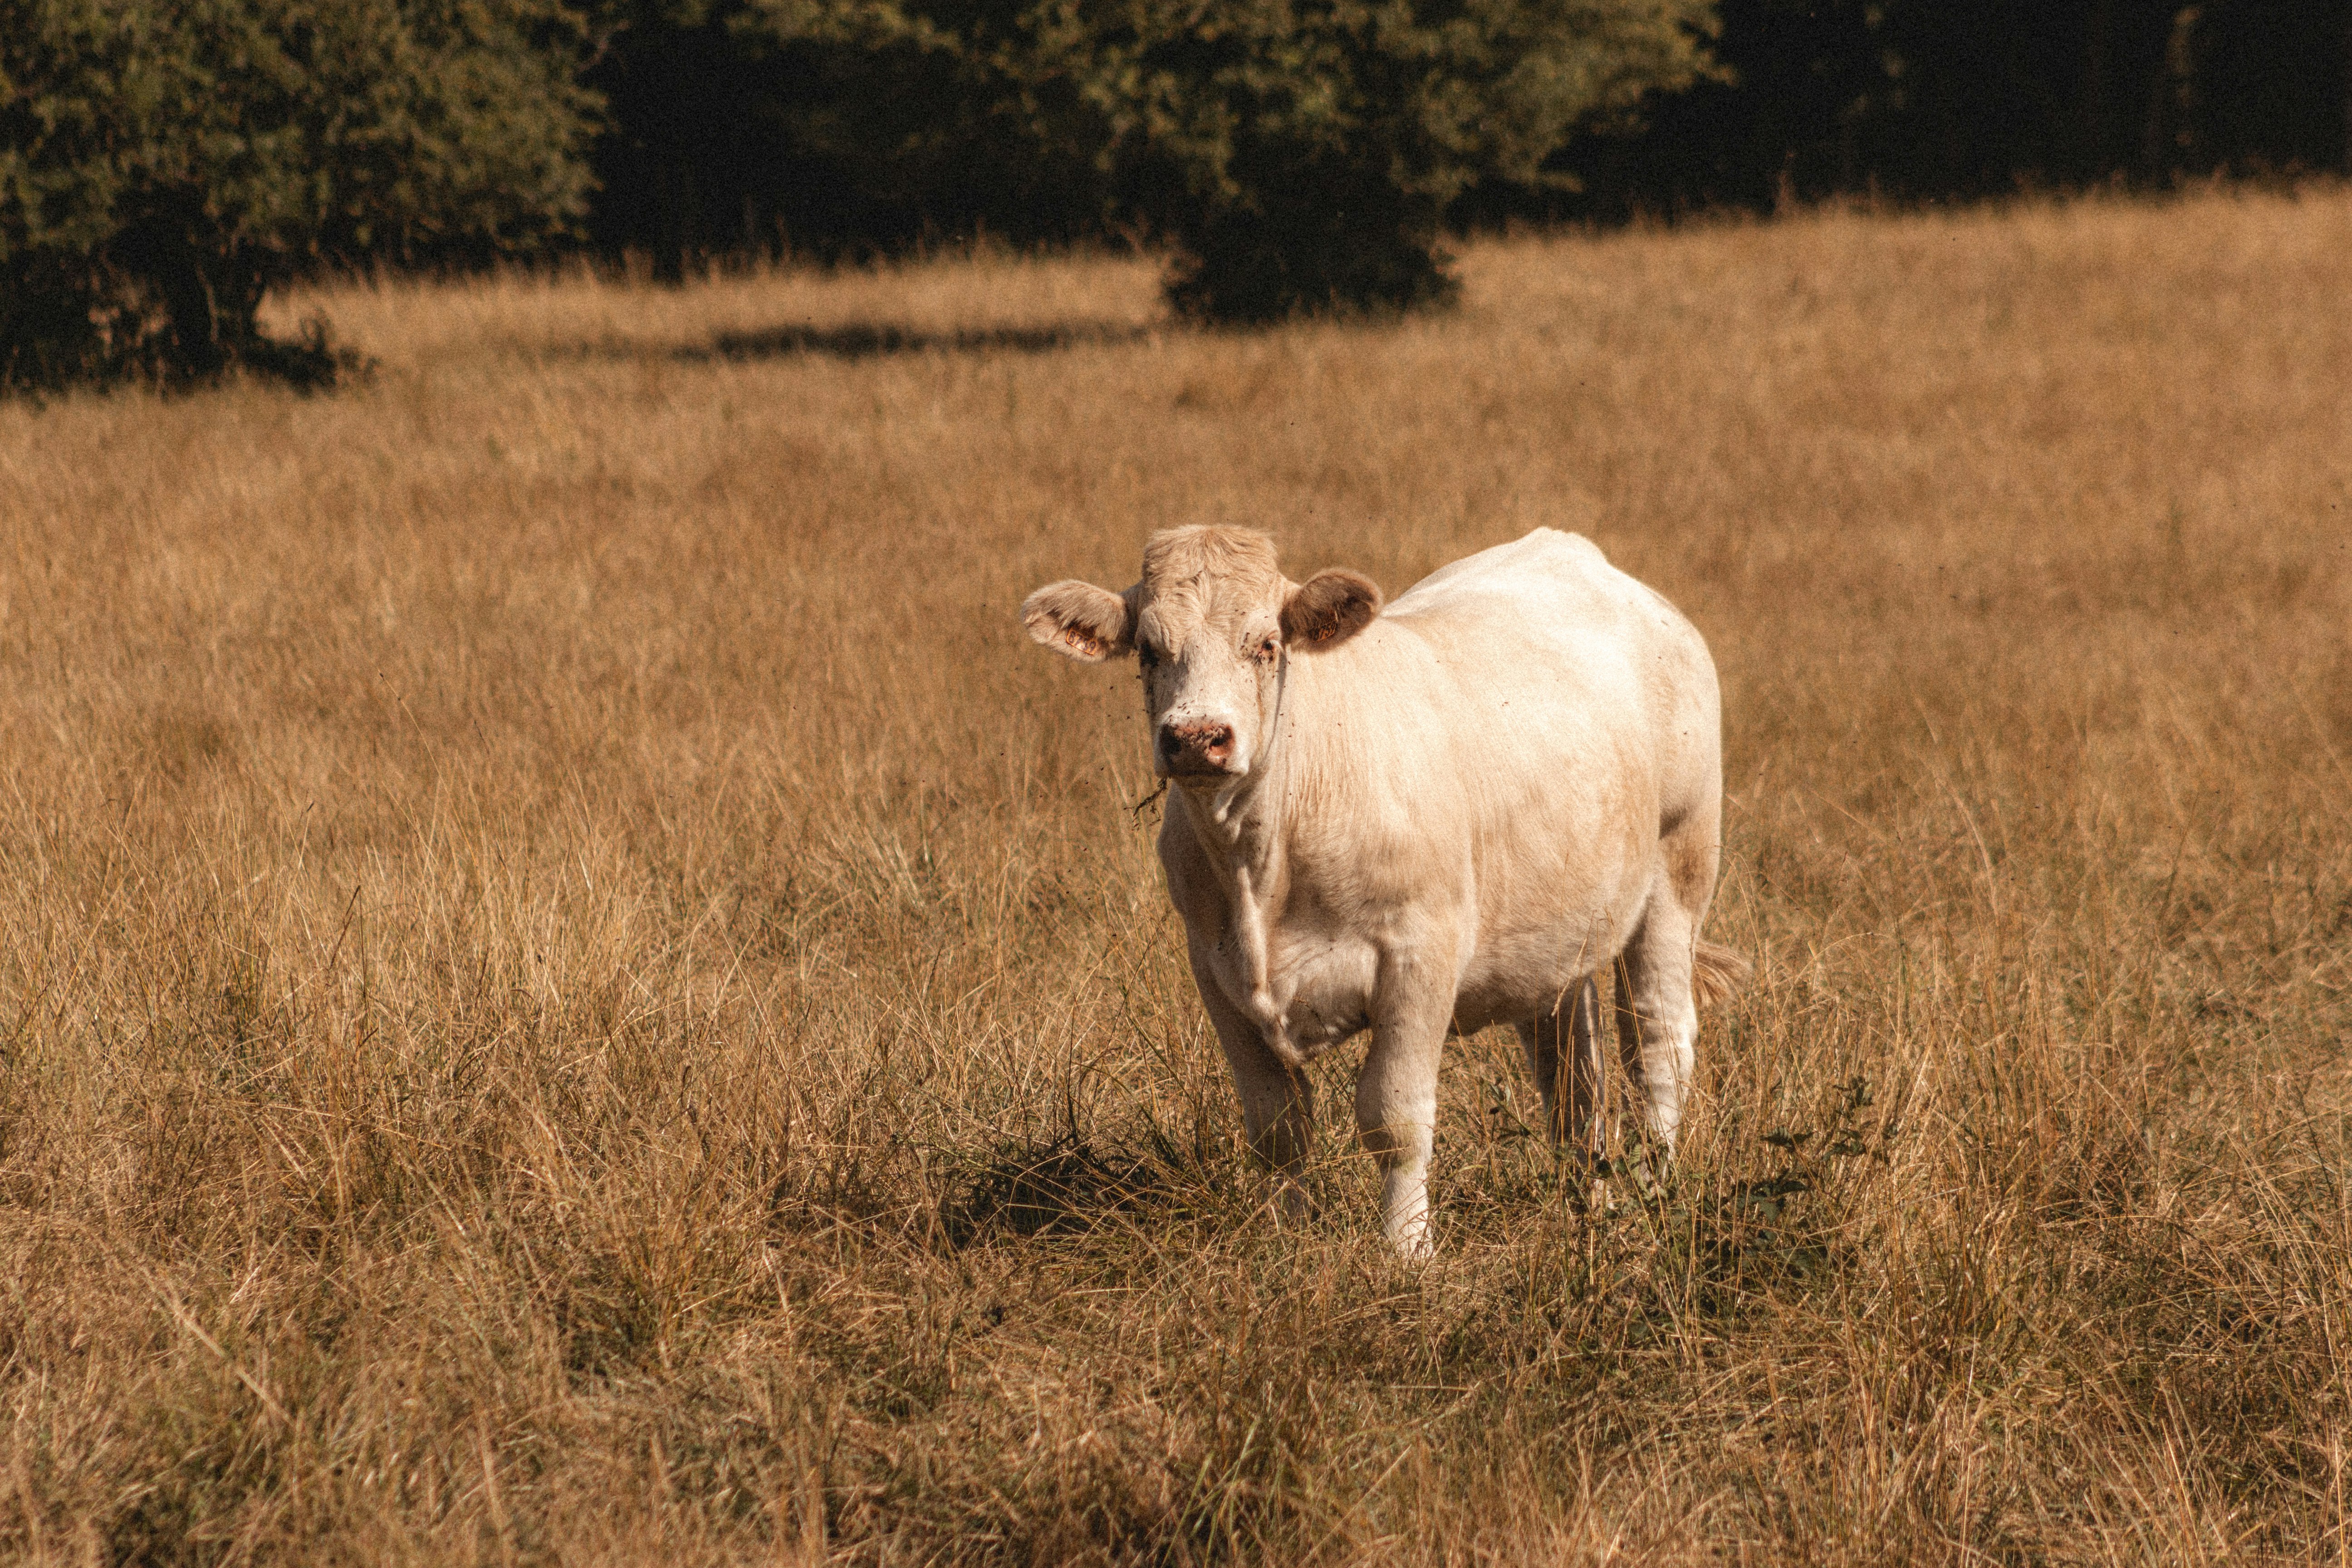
[
  {"x": 1937, "y": 99},
  {"x": 728, "y": 136},
  {"x": 1296, "y": 154},
  {"x": 164, "y": 162}
]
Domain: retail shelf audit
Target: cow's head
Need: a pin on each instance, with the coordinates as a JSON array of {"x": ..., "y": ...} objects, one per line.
[{"x": 1210, "y": 623}]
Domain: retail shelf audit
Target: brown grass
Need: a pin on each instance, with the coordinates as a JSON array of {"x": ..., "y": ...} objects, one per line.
[{"x": 575, "y": 990}]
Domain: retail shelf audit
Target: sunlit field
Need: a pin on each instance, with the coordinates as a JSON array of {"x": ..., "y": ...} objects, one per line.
[{"x": 574, "y": 990}]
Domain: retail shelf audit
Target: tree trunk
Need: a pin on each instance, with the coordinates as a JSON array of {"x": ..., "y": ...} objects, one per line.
[{"x": 2092, "y": 110}]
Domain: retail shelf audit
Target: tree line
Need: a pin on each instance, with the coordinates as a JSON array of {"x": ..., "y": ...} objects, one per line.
[
  {"x": 1955, "y": 100},
  {"x": 733, "y": 132},
  {"x": 164, "y": 162}
]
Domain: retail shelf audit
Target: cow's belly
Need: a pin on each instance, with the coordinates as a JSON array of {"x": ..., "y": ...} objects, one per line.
[
  {"x": 1325, "y": 985},
  {"x": 1515, "y": 975},
  {"x": 1523, "y": 958}
]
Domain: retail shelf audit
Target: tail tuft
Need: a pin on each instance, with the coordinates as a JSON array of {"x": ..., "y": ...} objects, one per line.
[{"x": 1718, "y": 973}]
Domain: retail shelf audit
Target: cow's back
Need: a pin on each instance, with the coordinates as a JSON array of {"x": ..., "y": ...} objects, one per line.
[
  {"x": 1551, "y": 593},
  {"x": 1586, "y": 656}
]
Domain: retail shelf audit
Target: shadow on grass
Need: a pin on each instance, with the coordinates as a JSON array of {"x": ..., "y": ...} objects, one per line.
[
  {"x": 1067, "y": 1188},
  {"x": 872, "y": 340}
]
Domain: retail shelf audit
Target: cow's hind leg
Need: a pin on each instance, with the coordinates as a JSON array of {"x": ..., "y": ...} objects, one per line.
[
  {"x": 1657, "y": 1017},
  {"x": 1563, "y": 1048}
]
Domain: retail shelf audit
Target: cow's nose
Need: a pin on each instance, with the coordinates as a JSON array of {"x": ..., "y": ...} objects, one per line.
[{"x": 1199, "y": 746}]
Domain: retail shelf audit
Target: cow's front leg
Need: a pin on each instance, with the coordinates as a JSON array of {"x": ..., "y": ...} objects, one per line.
[
  {"x": 1278, "y": 1104},
  {"x": 1396, "y": 1097}
]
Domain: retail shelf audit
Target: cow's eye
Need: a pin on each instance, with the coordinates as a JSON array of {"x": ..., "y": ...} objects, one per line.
[
  {"x": 1147, "y": 656},
  {"x": 1265, "y": 650}
]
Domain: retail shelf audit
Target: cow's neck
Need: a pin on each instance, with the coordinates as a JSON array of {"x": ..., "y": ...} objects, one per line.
[
  {"x": 1242, "y": 832},
  {"x": 1239, "y": 825},
  {"x": 1239, "y": 829}
]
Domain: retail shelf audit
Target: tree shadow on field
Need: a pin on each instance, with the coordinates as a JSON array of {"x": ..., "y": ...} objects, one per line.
[
  {"x": 872, "y": 340},
  {"x": 1067, "y": 1187}
]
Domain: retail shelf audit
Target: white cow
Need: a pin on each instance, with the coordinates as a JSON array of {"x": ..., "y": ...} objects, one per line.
[{"x": 1425, "y": 821}]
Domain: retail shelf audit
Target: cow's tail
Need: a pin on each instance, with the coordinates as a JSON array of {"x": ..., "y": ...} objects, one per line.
[{"x": 1717, "y": 973}]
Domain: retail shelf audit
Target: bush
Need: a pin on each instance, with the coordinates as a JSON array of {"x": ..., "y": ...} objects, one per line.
[
  {"x": 1309, "y": 150},
  {"x": 164, "y": 162},
  {"x": 1297, "y": 154}
]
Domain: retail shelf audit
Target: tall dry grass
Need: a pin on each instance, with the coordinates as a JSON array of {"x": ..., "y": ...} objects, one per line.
[{"x": 575, "y": 991}]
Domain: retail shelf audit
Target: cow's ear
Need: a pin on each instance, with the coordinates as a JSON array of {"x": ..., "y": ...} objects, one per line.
[
  {"x": 1328, "y": 609},
  {"x": 1084, "y": 622}
]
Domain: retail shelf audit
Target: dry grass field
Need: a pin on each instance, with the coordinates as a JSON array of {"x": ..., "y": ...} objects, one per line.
[{"x": 573, "y": 990}]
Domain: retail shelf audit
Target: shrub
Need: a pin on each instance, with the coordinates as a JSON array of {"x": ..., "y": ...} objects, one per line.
[
  {"x": 1310, "y": 147},
  {"x": 1297, "y": 154},
  {"x": 164, "y": 162}
]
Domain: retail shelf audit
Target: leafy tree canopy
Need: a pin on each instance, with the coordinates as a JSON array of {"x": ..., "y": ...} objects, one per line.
[
  {"x": 163, "y": 162},
  {"x": 1299, "y": 153}
]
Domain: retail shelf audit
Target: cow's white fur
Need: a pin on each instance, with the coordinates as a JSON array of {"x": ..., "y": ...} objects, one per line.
[{"x": 1456, "y": 816}]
